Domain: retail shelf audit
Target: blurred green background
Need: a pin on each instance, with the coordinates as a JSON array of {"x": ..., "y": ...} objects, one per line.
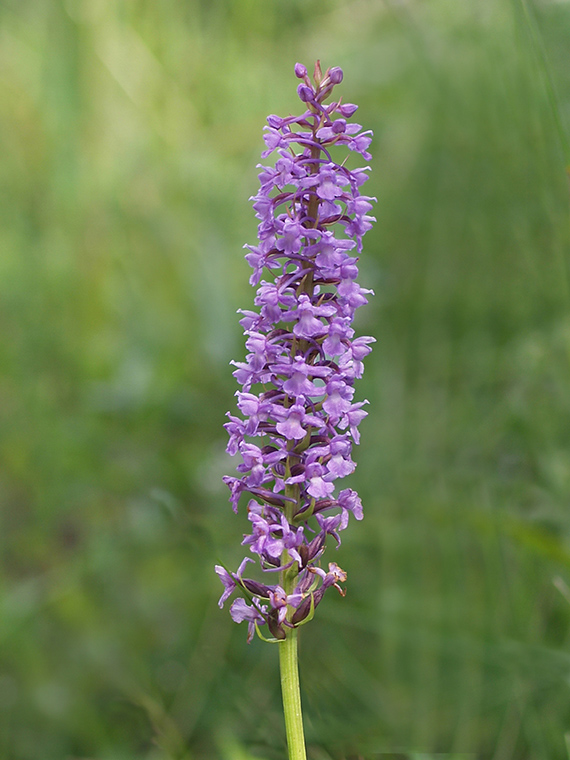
[{"x": 129, "y": 134}]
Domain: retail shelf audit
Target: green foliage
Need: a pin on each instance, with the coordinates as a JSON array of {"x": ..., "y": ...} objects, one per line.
[{"x": 130, "y": 133}]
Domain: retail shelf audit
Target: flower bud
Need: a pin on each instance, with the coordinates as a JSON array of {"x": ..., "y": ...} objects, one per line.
[
  {"x": 347, "y": 109},
  {"x": 305, "y": 93},
  {"x": 300, "y": 71},
  {"x": 335, "y": 75},
  {"x": 318, "y": 73}
]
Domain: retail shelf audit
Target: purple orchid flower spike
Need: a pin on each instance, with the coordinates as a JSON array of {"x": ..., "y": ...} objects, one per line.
[{"x": 299, "y": 419}]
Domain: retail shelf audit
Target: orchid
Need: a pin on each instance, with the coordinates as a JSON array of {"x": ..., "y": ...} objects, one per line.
[{"x": 299, "y": 418}]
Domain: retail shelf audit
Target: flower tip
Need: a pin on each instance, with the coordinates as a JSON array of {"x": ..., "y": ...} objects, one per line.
[
  {"x": 300, "y": 71},
  {"x": 335, "y": 75}
]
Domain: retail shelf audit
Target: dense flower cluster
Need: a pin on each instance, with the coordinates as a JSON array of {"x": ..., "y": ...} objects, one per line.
[{"x": 299, "y": 419}]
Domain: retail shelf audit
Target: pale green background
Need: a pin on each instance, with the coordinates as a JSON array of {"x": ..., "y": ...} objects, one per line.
[{"x": 129, "y": 134}]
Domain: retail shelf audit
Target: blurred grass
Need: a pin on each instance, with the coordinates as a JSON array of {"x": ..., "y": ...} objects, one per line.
[{"x": 130, "y": 133}]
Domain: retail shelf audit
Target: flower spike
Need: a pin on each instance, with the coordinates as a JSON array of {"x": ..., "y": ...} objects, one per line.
[{"x": 299, "y": 419}]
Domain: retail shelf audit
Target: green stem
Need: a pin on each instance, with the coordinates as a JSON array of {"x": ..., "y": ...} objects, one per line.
[
  {"x": 292, "y": 696},
  {"x": 288, "y": 663}
]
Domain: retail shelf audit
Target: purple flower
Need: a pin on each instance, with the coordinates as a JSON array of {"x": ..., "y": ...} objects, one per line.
[
  {"x": 241, "y": 611},
  {"x": 299, "y": 419},
  {"x": 228, "y": 581},
  {"x": 296, "y": 422}
]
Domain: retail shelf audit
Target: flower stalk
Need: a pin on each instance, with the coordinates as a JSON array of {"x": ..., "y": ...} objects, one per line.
[
  {"x": 291, "y": 692},
  {"x": 298, "y": 417}
]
